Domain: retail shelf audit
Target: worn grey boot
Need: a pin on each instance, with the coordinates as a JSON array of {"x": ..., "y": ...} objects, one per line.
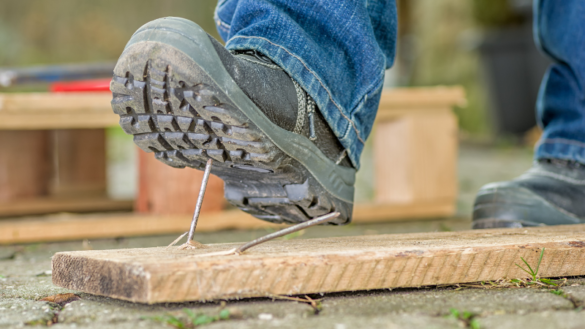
[
  {"x": 552, "y": 192},
  {"x": 187, "y": 99}
]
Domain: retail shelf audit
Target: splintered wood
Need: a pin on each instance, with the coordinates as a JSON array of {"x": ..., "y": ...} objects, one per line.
[{"x": 154, "y": 275}]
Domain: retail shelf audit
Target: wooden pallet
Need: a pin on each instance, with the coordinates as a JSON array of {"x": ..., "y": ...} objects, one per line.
[
  {"x": 414, "y": 167},
  {"x": 155, "y": 275},
  {"x": 53, "y": 145}
]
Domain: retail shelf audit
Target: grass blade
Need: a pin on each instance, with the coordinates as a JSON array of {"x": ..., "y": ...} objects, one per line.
[
  {"x": 539, "y": 260},
  {"x": 523, "y": 269},
  {"x": 530, "y": 268}
]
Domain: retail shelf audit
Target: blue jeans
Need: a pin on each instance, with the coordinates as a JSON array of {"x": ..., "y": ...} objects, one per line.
[
  {"x": 337, "y": 51},
  {"x": 559, "y": 31}
]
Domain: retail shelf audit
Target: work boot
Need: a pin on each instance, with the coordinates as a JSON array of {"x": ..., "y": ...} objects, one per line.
[
  {"x": 552, "y": 192},
  {"x": 187, "y": 99}
]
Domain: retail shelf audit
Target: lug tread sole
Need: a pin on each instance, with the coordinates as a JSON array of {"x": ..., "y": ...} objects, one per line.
[{"x": 185, "y": 123}]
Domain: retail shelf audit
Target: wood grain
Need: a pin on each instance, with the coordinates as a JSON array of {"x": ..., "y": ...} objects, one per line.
[{"x": 155, "y": 275}]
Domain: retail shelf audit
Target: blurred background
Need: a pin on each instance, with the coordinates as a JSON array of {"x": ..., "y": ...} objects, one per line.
[{"x": 483, "y": 45}]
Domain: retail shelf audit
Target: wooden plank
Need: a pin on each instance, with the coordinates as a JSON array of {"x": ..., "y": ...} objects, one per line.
[
  {"x": 380, "y": 212},
  {"x": 55, "y": 102},
  {"x": 95, "y": 226},
  {"x": 155, "y": 275},
  {"x": 397, "y": 99},
  {"x": 81, "y": 120},
  {"x": 24, "y": 111},
  {"x": 48, "y": 205}
]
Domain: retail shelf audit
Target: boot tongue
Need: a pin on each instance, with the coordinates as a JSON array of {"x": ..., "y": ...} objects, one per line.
[
  {"x": 270, "y": 88},
  {"x": 266, "y": 84},
  {"x": 275, "y": 94}
]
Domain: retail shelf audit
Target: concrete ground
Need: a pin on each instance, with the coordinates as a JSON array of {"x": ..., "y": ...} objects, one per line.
[{"x": 25, "y": 278}]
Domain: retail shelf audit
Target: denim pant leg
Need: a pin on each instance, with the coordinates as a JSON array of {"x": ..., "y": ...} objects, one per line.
[
  {"x": 559, "y": 30},
  {"x": 336, "y": 50}
]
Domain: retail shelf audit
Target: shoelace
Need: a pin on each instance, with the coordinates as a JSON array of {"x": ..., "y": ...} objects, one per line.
[
  {"x": 259, "y": 56},
  {"x": 564, "y": 163}
]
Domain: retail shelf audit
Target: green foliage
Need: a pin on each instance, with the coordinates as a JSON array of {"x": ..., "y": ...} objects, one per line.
[
  {"x": 495, "y": 13},
  {"x": 170, "y": 320},
  {"x": 63, "y": 31},
  {"x": 32, "y": 247},
  {"x": 293, "y": 235},
  {"x": 455, "y": 313},
  {"x": 534, "y": 273},
  {"x": 530, "y": 271},
  {"x": 558, "y": 292},
  {"x": 466, "y": 317},
  {"x": 193, "y": 321},
  {"x": 474, "y": 324}
]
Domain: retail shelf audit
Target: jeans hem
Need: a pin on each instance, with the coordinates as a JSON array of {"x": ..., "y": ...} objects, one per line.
[
  {"x": 343, "y": 127},
  {"x": 221, "y": 25},
  {"x": 560, "y": 148}
]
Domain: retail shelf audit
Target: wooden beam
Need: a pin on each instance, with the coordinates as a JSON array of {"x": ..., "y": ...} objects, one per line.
[
  {"x": 24, "y": 111},
  {"x": 396, "y": 99},
  {"x": 380, "y": 212},
  {"x": 55, "y": 102},
  {"x": 95, "y": 226},
  {"x": 156, "y": 275},
  {"x": 48, "y": 205}
]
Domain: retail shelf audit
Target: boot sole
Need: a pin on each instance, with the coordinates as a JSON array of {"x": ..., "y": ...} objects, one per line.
[{"x": 173, "y": 94}]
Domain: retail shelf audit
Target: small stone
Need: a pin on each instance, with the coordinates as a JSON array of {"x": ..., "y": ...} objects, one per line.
[
  {"x": 61, "y": 299},
  {"x": 236, "y": 313},
  {"x": 265, "y": 316}
]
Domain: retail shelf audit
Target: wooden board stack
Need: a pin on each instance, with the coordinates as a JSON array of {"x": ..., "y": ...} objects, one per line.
[{"x": 53, "y": 145}]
